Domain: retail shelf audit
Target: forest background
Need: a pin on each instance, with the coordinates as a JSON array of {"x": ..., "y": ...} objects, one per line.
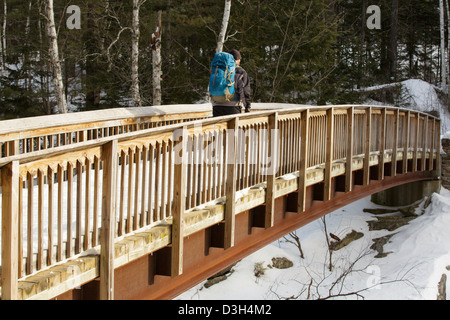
[{"x": 295, "y": 51}]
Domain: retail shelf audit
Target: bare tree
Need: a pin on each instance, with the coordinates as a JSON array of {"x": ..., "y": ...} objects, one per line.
[
  {"x": 295, "y": 240},
  {"x": 54, "y": 58},
  {"x": 223, "y": 29},
  {"x": 135, "y": 35},
  {"x": 157, "y": 62}
]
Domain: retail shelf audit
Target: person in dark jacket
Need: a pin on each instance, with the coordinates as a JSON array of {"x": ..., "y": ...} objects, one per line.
[{"x": 243, "y": 92}]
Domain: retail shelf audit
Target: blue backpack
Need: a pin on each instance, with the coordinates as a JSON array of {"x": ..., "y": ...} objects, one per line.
[{"x": 221, "y": 82}]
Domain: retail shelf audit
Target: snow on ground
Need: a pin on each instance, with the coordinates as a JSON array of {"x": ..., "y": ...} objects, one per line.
[{"x": 420, "y": 255}]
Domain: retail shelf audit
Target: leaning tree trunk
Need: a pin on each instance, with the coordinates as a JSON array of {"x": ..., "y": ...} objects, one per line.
[
  {"x": 223, "y": 29},
  {"x": 157, "y": 62},
  {"x": 54, "y": 59}
]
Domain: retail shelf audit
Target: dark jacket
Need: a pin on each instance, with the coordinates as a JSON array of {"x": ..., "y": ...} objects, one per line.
[
  {"x": 243, "y": 92},
  {"x": 243, "y": 88}
]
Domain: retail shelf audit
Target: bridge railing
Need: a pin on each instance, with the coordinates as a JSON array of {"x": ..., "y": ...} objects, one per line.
[
  {"x": 19, "y": 136},
  {"x": 58, "y": 203}
]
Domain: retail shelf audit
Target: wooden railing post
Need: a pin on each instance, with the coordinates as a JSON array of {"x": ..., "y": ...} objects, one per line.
[
  {"x": 433, "y": 138},
  {"x": 382, "y": 145},
  {"x": 107, "y": 233},
  {"x": 179, "y": 201},
  {"x": 272, "y": 171},
  {"x": 424, "y": 144},
  {"x": 416, "y": 142},
  {"x": 10, "y": 230},
  {"x": 395, "y": 147},
  {"x": 438, "y": 149},
  {"x": 368, "y": 147},
  {"x": 329, "y": 154},
  {"x": 406, "y": 142},
  {"x": 349, "y": 164},
  {"x": 301, "y": 205},
  {"x": 230, "y": 219}
]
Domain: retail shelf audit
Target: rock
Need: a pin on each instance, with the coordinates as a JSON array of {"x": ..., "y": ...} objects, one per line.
[
  {"x": 379, "y": 246},
  {"x": 214, "y": 281},
  {"x": 282, "y": 263},
  {"x": 259, "y": 270},
  {"x": 389, "y": 223},
  {"x": 352, "y": 236},
  {"x": 380, "y": 211},
  {"x": 219, "y": 277},
  {"x": 442, "y": 288}
]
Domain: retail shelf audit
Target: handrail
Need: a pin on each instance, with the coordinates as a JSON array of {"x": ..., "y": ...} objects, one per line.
[
  {"x": 20, "y": 136},
  {"x": 66, "y": 200}
]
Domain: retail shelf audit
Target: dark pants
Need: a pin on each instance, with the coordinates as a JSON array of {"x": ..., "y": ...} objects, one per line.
[{"x": 220, "y": 111}]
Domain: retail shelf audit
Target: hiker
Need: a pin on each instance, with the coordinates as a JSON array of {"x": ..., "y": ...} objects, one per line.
[{"x": 242, "y": 90}]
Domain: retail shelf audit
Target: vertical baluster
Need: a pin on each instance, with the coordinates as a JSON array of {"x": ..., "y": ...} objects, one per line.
[
  {"x": 96, "y": 201},
  {"x": 69, "y": 209},
  {"x": 189, "y": 182},
  {"x": 151, "y": 184},
  {"x": 87, "y": 205},
  {"x": 40, "y": 230},
  {"x": 78, "y": 207},
  {"x": 157, "y": 186},
  {"x": 170, "y": 177},
  {"x": 30, "y": 218},
  {"x": 137, "y": 188},
  {"x": 349, "y": 155},
  {"x": 200, "y": 184},
  {"x": 145, "y": 184},
  {"x": 59, "y": 252},
  {"x": 163, "y": 190},
  {"x": 194, "y": 178},
  {"x": 129, "y": 221}
]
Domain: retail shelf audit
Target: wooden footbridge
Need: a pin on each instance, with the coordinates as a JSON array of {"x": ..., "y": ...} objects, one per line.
[{"x": 145, "y": 203}]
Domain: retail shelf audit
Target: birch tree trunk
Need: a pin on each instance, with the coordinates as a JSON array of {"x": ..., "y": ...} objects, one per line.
[
  {"x": 54, "y": 59},
  {"x": 135, "y": 90},
  {"x": 443, "y": 63},
  {"x": 157, "y": 62},
  {"x": 222, "y": 34},
  {"x": 3, "y": 40},
  {"x": 223, "y": 29}
]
